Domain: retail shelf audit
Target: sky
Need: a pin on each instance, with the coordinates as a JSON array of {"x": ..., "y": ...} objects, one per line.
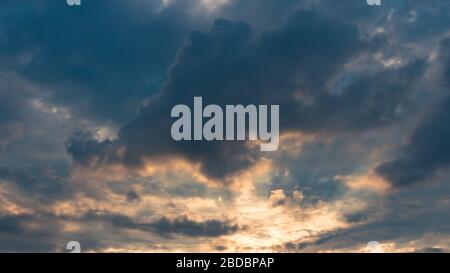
[{"x": 86, "y": 153}]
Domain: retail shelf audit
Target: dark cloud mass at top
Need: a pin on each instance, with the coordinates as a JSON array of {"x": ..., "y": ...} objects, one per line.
[
  {"x": 95, "y": 55},
  {"x": 228, "y": 65}
]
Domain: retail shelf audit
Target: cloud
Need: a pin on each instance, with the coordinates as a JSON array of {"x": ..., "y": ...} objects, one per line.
[
  {"x": 209, "y": 228},
  {"x": 445, "y": 47},
  {"x": 357, "y": 87},
  {"x": 292, "y": 66},
  {"x": 428, "y": 150},
  {"x": 426, "y": 153},
  {"x": 169, "y": 227},
  {"x": 368, "y": 181},
  {"x": 432, "y": 250},
  {"x": 12, "y": 106},
  {"x": 28, "y": 233},
  {"x": 104, "y": 76},
  {"x": 43, "y": 183}
]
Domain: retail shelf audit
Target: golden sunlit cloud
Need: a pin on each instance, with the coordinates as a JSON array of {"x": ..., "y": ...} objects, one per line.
[
  {"x": 266, "y": 222},
  {"x": 369, "y": 181}
]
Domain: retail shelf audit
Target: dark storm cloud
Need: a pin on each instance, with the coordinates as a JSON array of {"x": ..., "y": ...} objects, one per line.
[
  {"x": 428, "y": 148},
  {"x": 167, "y": 227},
  {"x": 209, "y": 228},
  {"x": 229, "y": 66},
  {"x": 103, "y": 57},
  {"x": 43, "y": 232},
  {"x": 427, "y": 152}
]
